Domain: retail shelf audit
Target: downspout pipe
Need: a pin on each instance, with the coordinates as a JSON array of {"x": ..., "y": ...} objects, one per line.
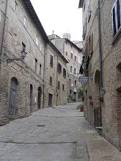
[
  {"x": 44, "y": 73},
  {"x": 100, "y": 45},
  {"x": 3, "y": 32},
  {"x": 100, "y": 58},
  {"x": 57, "y": 84}
]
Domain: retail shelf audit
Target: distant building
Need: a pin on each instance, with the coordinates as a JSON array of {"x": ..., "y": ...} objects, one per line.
[
  {"x": 67, "y": 36},
  {"x": 74, "y": 56},
  {"x": 55, "y": 77}
]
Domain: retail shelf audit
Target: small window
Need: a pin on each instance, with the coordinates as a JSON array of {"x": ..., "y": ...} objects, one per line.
[
  {"x": 75, "y": 82},
  {"x": 74, "y": 70},
  {"x": 51, "y": 81},
  {"x": 90, "y": 44},
  {"x": 66, "y": 53},
  {"x": 116, "y": 17},
  {"x": 40, "y": 70},
  {"x": 58, "y": 84},
  {"x": 64, "y": 72},
  {"x": 51, "y": 60},
  {"x": 70, "y": 91},
  {"x": 75, "y": 58},
  {"x": 23, "y": 47},
  {"x": 36, "y": 65},
  {"x": 70, "y": 82},
  {"x": 59, "y": 68},
  {"x": 71, "y": 55},
  {"x": 63, "y": 87},
  {"x": 16, "y": 4},
  {"x": 71, "y": 69}
]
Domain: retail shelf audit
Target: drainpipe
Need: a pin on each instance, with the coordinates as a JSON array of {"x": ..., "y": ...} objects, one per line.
[
  {"x": 3, "y": 32},
  {"x": 44, "y": 74},
  {"x": 100, "y": 58},
  {"x": 100, "y": 45},
  {"x": 57, "y": 83}
]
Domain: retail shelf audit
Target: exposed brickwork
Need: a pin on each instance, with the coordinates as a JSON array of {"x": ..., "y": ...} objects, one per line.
[
  {"x": 111, "y": 77},
  {"x": 32, "y": 73}
]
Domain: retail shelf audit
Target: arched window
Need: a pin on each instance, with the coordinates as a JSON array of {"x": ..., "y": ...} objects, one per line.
[
  {"x": 31, "y": 97},
  {"x": 13, "y": 97},
  {"x": 39, "y": 97}
]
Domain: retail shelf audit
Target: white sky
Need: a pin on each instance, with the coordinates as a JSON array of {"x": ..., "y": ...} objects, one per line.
[{"x": 62, "y": 16}]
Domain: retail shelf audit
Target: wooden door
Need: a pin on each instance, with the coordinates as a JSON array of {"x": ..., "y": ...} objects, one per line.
[{"x": 13, "y": 97}]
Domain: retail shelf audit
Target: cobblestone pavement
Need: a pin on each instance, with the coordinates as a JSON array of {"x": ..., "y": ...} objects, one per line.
[{"x": 52, "y": 134}]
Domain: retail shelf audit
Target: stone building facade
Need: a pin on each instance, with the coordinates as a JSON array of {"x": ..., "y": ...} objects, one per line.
[
  {"x": 55, "y": 77},
  {"x": 23, "y": 54},
  {"x": 21, "y": 79},
  {"x": 102, "y": 66},
  {"x": 74, "y": 56}
]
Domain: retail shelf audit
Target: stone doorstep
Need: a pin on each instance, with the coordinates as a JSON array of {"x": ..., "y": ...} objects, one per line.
[{"x": 100, "y": 149}]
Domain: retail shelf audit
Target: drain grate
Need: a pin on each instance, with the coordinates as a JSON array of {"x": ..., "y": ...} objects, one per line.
[{"x": 41, "y": 125}]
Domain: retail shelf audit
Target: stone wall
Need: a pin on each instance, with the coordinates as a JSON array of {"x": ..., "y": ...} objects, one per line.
[
  {"x": 111, "y": 49},
  {"x": 20, "y": 30},
  {"x": 59, "y": 95}
]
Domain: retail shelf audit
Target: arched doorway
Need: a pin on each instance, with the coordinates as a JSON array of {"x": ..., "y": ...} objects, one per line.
[
  {"x": 39, "y": 97},
  {"x": 97, "y": 109},
  {"x": 13, "y": 97},
  {"x": 31, "y": 97}
]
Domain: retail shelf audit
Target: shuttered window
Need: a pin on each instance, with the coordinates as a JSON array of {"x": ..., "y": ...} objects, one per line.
[{"x": 116, "y": 17}]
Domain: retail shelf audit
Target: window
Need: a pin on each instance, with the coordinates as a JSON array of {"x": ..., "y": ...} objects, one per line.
[
  {"x": 51, "y": 60},
  {"x": 90, "y": 44},
  {"x": 66, "y": 53},
  {"x": 116, "y": 17},
  {"x": 16, "y": 4},
  {"x": 63, "y": 87},
  {"x": 40, "y": 70},
  {"x": 51, "y": 81},
  {"x": 36, "y": 65},
  {"x": 71, "y": 55},
  {"x": 64, "y": 72},
  {"x": 58, "y": 84},
  {"x": 75, "y": 58},
  {"x": 70, "y": 91},
  {"x": 75, "y": 82},
  {"x": 59, "y": 68},
  {"x": 23, "y": 47},
  {"x": 70, "y": 82},
  {"x": 74, "y": 70},
  {"x": 23, "y": 51},
  {"x": 71, "y": 69}
]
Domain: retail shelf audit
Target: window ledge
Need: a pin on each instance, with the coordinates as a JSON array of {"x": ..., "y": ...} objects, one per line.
[{"x": 117, "y": 36}]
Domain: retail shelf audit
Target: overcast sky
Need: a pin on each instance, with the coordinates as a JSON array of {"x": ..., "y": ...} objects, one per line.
[{"x": 62, "y": 16}]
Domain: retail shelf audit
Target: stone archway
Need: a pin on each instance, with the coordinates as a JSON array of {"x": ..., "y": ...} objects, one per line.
[
  {"x": 31, "y": 97},
  {"x": 39, "y": 97},
  {"x": 13, "y": 97},
  {"x": 97, "y": 103}
]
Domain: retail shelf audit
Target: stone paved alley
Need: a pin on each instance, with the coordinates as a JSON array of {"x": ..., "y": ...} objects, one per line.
[{"x": 54, "y": 134}]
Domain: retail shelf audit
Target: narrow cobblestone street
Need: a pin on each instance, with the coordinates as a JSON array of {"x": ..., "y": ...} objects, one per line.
[{"x": 54, "y": 134}]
